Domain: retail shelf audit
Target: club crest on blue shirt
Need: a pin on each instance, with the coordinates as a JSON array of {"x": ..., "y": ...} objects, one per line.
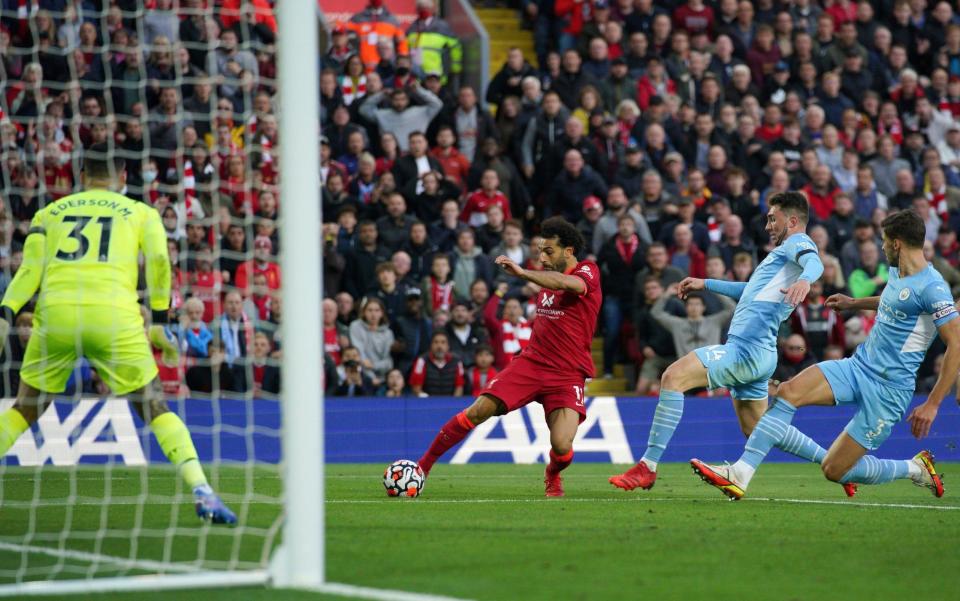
[{"x": 904, "y": 294}]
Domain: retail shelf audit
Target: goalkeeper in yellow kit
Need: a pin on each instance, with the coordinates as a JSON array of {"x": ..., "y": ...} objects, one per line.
[{"x": 81, "y": 258}]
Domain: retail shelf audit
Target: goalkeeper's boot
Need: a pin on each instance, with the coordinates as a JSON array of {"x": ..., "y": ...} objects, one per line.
[
  {"x": 211, "y": 508},
  {"x": 849, "y": 488},
  {"x": 553, "y": 482},
  {"x": 928, "y": 477},
  {"x": 719, "y": 477},
  {"x": 638, "y": 476}
]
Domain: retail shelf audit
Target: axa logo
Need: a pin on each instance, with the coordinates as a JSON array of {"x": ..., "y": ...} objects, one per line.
[
  {"x": 527, "y": 437},
  {"x": 547, "y": 300},
  {"x": 91, "y": 428}
]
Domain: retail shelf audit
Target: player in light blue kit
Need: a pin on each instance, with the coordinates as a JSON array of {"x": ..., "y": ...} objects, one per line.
[
  {"x": 879, "y": 379},
  {"x": 745, "y": 363}
]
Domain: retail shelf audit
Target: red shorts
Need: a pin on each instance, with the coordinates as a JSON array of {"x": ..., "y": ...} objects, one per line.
[{"x": 523, "y": 381}]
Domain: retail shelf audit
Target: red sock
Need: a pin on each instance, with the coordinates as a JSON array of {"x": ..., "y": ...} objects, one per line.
[
  {"x": 450, "y": 434},
  {"x": 558, "y": 463}
]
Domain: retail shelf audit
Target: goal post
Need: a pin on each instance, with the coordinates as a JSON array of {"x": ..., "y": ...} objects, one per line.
[{"x": 300, "y": 560}]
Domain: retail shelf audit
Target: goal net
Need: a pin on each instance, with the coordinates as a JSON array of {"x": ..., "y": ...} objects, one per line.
[{"x": 187, "y": 94}]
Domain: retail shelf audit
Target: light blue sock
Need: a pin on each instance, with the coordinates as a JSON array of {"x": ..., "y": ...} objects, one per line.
[
  {"x": 665, "y": 420},
  {"x": 797, "y": 443},
  {"x": 770, "y": 430},
  {"x": 870, "y": 470}
]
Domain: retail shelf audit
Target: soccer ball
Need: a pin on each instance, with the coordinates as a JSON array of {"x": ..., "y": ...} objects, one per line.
[{"x": 403, "y": 478}]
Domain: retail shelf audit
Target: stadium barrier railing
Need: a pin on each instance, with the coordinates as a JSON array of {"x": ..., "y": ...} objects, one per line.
[{"x": 476, "y": 43}]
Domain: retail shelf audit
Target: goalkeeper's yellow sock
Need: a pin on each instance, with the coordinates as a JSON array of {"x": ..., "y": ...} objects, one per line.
[
  {"x": 12, "y": 425},
  {"x": 174, "y": 439}
]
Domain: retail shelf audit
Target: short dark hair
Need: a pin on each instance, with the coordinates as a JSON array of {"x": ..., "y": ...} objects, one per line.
[
  {"x": 791, "y": 202},
  {"x": 99, "y": 162},
  {"x": 905, "y": 226},
  {"x": 439, "y": 334},
  {"x": 483, "y": 348},
  {"x": 565, "y": 233}
]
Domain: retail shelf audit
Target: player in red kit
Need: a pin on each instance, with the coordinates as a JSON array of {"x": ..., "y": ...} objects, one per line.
[{"x": 552, "y": 368}]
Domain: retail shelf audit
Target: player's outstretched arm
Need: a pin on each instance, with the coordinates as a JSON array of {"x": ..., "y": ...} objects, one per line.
[
  {"x": 842, "y": 302},
  {"x": 153, "y": 241},
  {"x": 551, "y": 280},
  {"x": 732, "y": 289},
  {"x": 812, "y": 270},
  {"x": 922, "y": 416},
  {"x": 27, "y": 281}
]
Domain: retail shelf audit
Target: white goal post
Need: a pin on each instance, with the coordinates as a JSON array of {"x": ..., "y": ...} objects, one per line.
[{"x": 299, "y": 561}]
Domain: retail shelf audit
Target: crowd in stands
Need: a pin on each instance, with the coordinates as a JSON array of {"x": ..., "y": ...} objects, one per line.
[
  {"x": 658, "y": 128},
  {"x": 183, "y": 91}
]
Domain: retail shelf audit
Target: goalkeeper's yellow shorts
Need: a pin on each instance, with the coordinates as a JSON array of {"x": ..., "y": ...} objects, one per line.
[{"x": 110, "y": 338}]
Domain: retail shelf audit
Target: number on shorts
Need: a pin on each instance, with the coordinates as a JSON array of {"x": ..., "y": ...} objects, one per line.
[{"x": 578, "y": 392}]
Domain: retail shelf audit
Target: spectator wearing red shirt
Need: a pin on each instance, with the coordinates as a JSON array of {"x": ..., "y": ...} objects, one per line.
[
  {"x": 655, "y": 82},
  {"x": 236, "y": 187},
  {"x": 266, "y": 375},
  {"x": 437, "y": 372},
  {"x": 261, "y": 263},
  {"x": 475, "y": 210},
  {"x": 335, "y": 337},
  {"x": 685, "y": 254},
  {"x": 509, "y": 333},
  {"x": 818, "y": 324},
  {"x": 259, "y": 303},
  {"x": 693, "y": 17},
  {"x": 821, "y": 192},
  {"x": 771, "y": 128},
  {"x": 573, "y": 14},
  {"x": 482, "y": 371},
  {"x": 57, "y": 170},
  {"x": 438, "y": 286},
  {"x": 842, "y": 11},
  {"x": 455, "y": 165},
  {"x": 206, "y": 284}
]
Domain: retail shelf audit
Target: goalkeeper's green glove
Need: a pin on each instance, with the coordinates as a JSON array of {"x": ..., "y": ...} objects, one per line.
[
  {"x": 157, "y": 335},
  {"x": 170, "y": 354}
]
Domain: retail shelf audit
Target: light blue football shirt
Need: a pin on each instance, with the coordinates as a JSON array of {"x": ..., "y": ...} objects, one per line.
[
  {"x": 911, "y": 309},
  {"x": 761, "y": 307}
]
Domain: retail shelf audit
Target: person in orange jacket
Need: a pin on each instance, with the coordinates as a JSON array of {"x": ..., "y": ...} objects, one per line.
[{"x": 371, "y": 24}]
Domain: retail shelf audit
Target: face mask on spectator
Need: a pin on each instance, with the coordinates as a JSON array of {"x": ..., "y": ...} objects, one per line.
[{"x": 149, "y": 176}]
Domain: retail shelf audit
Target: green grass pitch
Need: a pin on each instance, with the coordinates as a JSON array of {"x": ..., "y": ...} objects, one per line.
[{"x": 485, "y": 532}]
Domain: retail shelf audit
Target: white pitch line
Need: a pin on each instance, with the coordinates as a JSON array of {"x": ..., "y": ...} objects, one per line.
[
  {"x": 857, "y": 503},
  {"x": 125, "y": 562},
  {"x": 635, "y": 500},
  {"x": 379, "y": 594}
]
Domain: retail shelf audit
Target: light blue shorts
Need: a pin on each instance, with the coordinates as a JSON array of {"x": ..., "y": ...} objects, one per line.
[
  {"x": 880, "y": 406},
  {"x": 744, "y": 369}
]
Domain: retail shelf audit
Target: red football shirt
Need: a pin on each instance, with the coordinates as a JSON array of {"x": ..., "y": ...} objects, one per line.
[{"x": 565, "y": 324}]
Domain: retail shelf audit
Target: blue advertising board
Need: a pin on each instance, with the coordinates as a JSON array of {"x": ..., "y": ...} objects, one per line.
[{"x": 380, "y": 430}]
